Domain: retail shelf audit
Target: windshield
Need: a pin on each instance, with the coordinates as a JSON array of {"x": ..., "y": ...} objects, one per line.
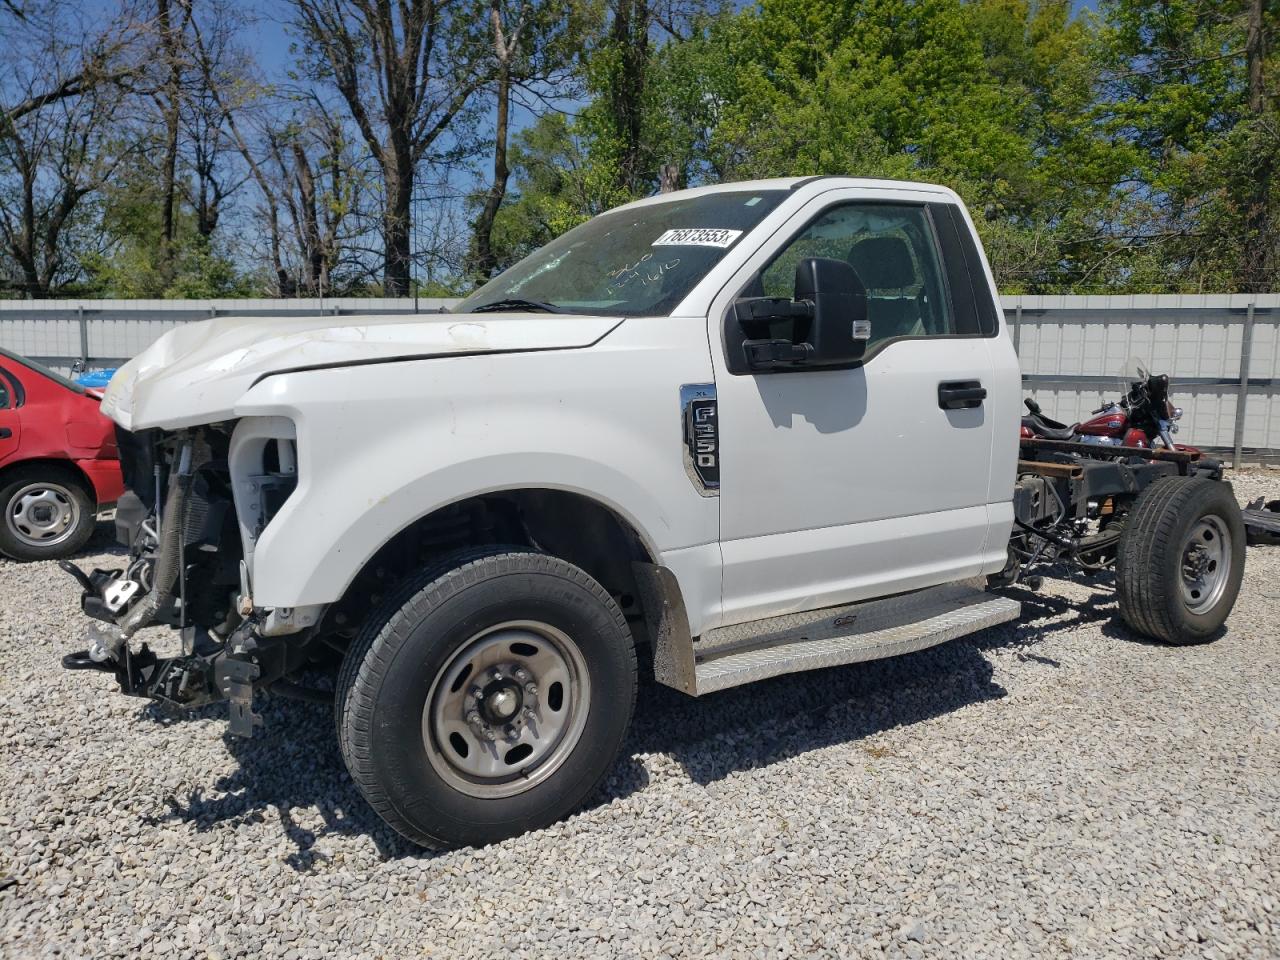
[
  {"x": 41, "y": 369},
  {"x": 635, "y": 262}
]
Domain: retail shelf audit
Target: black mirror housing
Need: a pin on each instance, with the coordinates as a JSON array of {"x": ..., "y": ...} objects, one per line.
[
  {"x": 839, "y": 330},
  {"x": 824, "y": 327}
]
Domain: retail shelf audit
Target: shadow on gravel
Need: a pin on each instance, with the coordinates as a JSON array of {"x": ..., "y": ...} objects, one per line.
[
  {"x": 1046, "y": 614},
  {"x": 292, "y": 764},
  {"x": 104, "y": 541},
  {"x": 1065, "y": 614},
  {"x": 291, "y": 770},
  {"x": 773, "y": 720},
  {"x": 763, "y": 723}
]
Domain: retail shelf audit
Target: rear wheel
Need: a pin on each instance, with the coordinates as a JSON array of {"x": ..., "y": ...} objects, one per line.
[
  {"x": 49, "y": 512},
  {"x": 1181, "y": 560},
  {"x": 488, "y": 697}
]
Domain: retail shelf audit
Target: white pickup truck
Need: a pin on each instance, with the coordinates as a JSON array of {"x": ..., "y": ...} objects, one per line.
[{"x": 747, "y": 430}]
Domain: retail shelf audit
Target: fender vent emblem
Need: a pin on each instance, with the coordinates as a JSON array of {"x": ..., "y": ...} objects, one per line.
[{"x": 701, "y": 431}]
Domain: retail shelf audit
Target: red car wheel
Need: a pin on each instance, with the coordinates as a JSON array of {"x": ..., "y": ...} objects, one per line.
[{"x": 48, "y": 513}]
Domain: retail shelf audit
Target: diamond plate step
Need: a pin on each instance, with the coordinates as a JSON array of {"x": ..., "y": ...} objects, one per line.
[{"x": 744, "y": 653}]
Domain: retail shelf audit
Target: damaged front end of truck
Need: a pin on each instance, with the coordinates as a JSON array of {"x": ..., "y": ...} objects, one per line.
[{"x": 197, "y": 502}]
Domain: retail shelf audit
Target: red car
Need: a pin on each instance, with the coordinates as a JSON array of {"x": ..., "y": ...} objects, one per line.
[{"x": 58, "y": 463}]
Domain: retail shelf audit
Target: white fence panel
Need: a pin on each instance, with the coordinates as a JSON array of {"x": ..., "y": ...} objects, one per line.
[{"x": 1076, "y": 352}]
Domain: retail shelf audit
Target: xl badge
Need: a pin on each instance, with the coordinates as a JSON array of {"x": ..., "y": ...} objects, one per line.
[{"x": 701, "y": 436}]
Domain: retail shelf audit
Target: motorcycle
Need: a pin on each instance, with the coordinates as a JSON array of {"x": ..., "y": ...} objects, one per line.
[{"x": 1143, "y": 417}]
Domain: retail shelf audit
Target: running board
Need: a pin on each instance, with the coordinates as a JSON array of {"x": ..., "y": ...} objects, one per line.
[{"x": 731, "y": 656}]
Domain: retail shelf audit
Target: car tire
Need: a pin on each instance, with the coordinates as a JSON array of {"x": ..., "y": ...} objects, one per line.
[
  {"x": 49, "y": 512},
  {"x": 486, "y": 697},
  {"x": 1181, "y": 560}
]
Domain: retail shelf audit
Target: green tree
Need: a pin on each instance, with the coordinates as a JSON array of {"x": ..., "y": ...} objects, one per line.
[
  {"x": 558, "y": 181},
  {"x": 131, "y": 263},
  {"x": 1189, "y": 95},
  {"x": 990, "y": 97}
]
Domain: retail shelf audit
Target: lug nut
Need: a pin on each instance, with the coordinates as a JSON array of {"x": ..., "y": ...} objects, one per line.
[
  {"x": 510, "y": 731},
  {"x": 489, "y": 735},
  {"x": 473, "y": 718},
  {"x": 531, "y": 689},
  {"x": 522, "y": 674}
]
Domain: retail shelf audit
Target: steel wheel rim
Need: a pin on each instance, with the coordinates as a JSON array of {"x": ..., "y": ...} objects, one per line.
[
  {"x": 523, "y": 682},
  {"x": 42, "y": 514},
  {"x": 1205, "y": 564}
]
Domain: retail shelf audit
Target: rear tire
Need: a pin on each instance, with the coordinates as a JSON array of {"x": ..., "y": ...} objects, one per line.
[
  {"x": 48, "y": 512},
  {"x": 492, "y": 641},
  {"x": 1181, "y": 560}
]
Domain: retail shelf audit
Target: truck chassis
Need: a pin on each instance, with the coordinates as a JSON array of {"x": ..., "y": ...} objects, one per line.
[{"x": 1176, "y": 546}]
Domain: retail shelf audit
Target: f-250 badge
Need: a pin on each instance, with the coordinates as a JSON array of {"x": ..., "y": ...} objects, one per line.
[{"x": 701, "y": 436}]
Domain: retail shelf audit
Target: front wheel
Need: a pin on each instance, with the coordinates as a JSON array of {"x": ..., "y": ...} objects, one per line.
[
  {"x": 49, "y": 512},
  {"x": 490, "y": 696},
  {"x": 1181, "y": 560}
]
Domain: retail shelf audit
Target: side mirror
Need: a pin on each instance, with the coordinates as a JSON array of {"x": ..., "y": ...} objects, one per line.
[
  {"x": 840, "y": 328},
  {"x": 823, "y": 327}
]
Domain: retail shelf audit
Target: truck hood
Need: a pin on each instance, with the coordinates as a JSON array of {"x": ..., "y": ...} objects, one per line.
[{"x": 196, "y": 373}]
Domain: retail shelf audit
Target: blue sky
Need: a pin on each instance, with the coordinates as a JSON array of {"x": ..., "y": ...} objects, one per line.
[{"x": 270, "y": 41}]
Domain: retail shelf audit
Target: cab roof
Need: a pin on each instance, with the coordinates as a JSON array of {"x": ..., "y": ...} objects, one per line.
[{"x": 827, "y": 181}]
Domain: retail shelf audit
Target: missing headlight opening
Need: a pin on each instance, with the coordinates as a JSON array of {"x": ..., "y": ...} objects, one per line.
[
  {"x": 199, "y": 502},
  {"x": 201, "y": 506}
]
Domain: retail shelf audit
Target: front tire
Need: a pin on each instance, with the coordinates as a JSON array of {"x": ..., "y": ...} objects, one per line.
[
  {"x": 49, "y": 512},
  {"x": 1181, "y": 560},
  {"x": 488, "y": 697}
]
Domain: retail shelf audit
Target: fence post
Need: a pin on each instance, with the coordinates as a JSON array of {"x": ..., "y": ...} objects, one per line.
[
  {"x": 1017, "y": 324},
  {"x": 84, "y": 335},
  {"x": 1242, "y": 394}
]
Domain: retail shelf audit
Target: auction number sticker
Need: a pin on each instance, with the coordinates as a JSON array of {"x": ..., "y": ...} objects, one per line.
[{"x": 698, "y": 237}]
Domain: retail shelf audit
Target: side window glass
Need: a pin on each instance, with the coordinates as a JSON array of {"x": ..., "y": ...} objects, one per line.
[
  {"x": 892, "y": 249},
  {"x": 5, "y": 401}
]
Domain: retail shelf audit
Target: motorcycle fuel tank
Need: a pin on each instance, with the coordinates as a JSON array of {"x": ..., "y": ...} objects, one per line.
[{"x": 1111, "y": 423}]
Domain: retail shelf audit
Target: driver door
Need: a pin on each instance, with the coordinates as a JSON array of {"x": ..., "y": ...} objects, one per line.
[{"x": 843, "y": 485}]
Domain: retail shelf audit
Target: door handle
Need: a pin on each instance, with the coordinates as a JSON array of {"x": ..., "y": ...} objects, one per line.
[
  {"x": 5, "y": 433},
  {"x": 961, "y": 394}
]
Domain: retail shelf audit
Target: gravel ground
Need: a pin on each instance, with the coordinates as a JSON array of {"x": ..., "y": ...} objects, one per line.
[{"x": 1052, "y": 787}]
